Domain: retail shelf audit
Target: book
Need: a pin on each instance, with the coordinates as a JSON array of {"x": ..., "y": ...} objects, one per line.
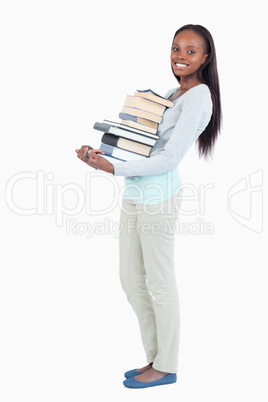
[
  {"x": 111, "y": 159},
  {"x": 146, "y": 124},
  {"x": 141, "y": 113},
  {"x": 120, "y": 153},
  {"x": 119, "y": 130},
  {"x": 131, "y": 123},
  {"x": 136, "y": 134},
  {"x": 128, "y": 145},
  {"x": 151, "y": 95},
  {"x": 135, "y": 130},
  {"x": 146, "y": 105}
]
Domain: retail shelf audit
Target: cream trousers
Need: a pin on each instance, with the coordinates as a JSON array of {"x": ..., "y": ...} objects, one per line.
[{"x": 147, "y": 274}]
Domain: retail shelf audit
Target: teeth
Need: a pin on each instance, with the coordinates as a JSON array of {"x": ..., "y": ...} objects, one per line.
[{"x": 181, "y": 65}]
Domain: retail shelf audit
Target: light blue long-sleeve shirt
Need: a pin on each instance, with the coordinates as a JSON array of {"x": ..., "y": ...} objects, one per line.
[{"x": 155, "y": 179}]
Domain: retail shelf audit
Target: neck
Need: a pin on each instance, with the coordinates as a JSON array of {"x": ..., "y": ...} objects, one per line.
[{"x": 188, "y": 83}]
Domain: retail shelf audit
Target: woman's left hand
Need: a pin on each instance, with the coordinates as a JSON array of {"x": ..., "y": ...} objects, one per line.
[{"x": 90, "y": 156}]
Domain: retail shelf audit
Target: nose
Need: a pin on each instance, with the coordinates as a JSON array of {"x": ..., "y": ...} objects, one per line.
[{"x": 180, "y": 57}]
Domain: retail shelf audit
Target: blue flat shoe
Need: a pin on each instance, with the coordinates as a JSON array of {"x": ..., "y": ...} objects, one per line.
[
  {"x": 131, "y": 373},
  {"x": 168, "y": 379}
]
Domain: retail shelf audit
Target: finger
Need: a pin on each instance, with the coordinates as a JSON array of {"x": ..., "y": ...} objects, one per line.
[
  {"x": 86, "y": 148},
  {"x": 93, "y": 156},
  {"x": 85, "y": 151},
  {"x": 100, "y": 151},
  {"x": 94, "y": 152}
]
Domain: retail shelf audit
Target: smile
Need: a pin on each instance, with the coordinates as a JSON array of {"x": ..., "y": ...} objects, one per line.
[{"x": 181, "y": 65}]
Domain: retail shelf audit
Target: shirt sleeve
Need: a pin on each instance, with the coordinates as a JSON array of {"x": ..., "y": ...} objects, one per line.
[{"x": 194, "y": 117}]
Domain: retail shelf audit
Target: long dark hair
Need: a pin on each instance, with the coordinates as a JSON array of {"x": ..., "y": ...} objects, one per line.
[{"x": 207, "y": 74}]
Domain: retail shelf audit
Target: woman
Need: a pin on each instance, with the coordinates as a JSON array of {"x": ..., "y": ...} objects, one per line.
[{"x": 151, "y": 202}]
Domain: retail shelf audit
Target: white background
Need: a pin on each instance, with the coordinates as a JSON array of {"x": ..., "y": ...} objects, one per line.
[{"x": 67, "y": 331}]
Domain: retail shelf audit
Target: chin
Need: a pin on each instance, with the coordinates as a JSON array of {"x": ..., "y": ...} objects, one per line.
[{"x": 178, "y": 74}]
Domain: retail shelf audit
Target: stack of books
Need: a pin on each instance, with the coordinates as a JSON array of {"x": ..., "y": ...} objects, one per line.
[{"x": 135, "y": 135}]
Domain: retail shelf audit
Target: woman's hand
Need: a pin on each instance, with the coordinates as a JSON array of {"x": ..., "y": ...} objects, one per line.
[{"x": 89, "y": 155}]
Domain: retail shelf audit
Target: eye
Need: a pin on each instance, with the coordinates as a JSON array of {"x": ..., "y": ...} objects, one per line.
[
  {"x": 191, "y": 51},
  {"x": 175, "y": 49}
]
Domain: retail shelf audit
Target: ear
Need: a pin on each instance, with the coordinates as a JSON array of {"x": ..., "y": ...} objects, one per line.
[{"x": 205, "y": 58}]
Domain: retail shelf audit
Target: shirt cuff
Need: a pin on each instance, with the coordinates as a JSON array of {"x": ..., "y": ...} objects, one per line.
[{"x": 118, "y": 171}]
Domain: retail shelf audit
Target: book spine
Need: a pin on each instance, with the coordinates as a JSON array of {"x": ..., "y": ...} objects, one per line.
[
  {"x": 141, "y": 113},
  {"x": 108, "y": 149},
  {"x": 120, "y": 153},
  {"x": 125, "y": 116},
  {"x": 110, "y": 139},
  {"x": 101, "y": 126},
  {"x": 144, "y": 123}
]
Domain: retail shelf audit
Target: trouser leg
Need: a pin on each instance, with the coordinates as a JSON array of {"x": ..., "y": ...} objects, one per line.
[
  {"x": 157, "y": 227},
  {"x": 147, "y": 272},
  {"x": 133, "y": 278}
]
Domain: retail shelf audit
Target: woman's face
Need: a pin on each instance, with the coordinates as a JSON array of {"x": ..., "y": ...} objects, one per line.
[{"x": 188, "y": 53}]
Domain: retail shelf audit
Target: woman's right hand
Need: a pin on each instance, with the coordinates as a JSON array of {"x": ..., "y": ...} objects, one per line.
[
  {"x": 83, "y": 152},
  {"x": 92, "y": 158}
]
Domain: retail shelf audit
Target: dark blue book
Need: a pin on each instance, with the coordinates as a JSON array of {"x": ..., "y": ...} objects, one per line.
[
  {"x": 128, "y": 145},
  {"x": 120, "y": 153}
]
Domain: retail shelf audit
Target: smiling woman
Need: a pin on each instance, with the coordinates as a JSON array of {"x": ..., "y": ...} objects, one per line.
[
  {"x": 185, "y": 58},
  {"x": 187, "y": 55},
  {"x": 193, "y": 61},
  {"x": 152, "y": 198}
]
